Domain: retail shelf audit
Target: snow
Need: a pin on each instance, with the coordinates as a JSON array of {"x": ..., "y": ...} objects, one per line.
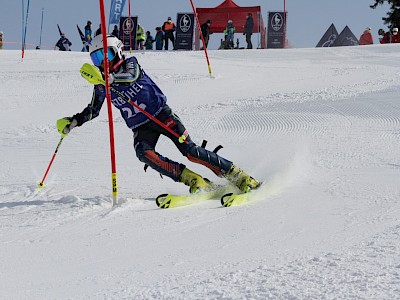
[{"x": 321, "y": 127}]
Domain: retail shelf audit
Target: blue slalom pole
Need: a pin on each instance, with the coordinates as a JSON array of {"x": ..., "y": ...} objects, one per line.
[
  {"x": 26, "y": 25},
  {"x": 41, "y": 29},
  {"x": 23, "y": 25}
]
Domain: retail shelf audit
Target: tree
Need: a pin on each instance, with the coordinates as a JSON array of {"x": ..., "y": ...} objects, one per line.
[{"x": 393, "y": 16}]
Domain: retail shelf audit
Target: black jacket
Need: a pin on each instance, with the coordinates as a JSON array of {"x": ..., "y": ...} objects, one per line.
[{"x": 249, "y": 26}]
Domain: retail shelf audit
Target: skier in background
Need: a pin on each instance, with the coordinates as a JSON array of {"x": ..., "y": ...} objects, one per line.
[
  {"x": 129, "y": 78},
  {"x": 88, "y": 35},
  {"x": 63, "y": 44},
  {"x": 229, "y": 33}
]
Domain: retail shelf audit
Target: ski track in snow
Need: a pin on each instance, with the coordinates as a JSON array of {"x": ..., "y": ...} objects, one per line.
[{"x": 323, "y": 226}]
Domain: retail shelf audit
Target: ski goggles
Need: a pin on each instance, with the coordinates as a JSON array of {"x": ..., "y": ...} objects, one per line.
[{"x": 98, "y": 56}]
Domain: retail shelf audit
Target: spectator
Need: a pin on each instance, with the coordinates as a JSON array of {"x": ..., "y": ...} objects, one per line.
[
  {"x": 115, "y": 32},
  {"x": 140, "y": 37},
  {"x": 159, "y": 38},
  {"x": 205, "y": 31},
  {"x": 229, "y": 35},
  {"x": 386, "y": 36},
  {"x": 248, "y": 30},
  {"x": 98, "y": 31},
  {"x": 168, "y": 28},
  {"x": 63, "y": 43},
  {"x": 88, "y": 35},
  {"x": 149, "y": 41},
  {"x": 395, "y": 37},
  {"x": 1, "y": 39},
  {"x": 366, "y": 37}
]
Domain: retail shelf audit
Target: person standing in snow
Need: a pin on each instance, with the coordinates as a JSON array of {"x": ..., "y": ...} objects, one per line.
[
  {"x": 366, "y": 37},
  {"x": 115, "y": 32},
  {"x": 395, "y": 36},
  {"x": 169, "y": 28},
  {"x": 159, "y": 38},
  {"x": 88, "y": 35},
  {"x": 63, "y": 43},
  {"x": 205, "y": 31},
  {"x": 248, "y": 30},
  {"x": 386, "y": 36},
  {"x": 229, "y": 33},
  {"x": 140, "y": 37},
  {"x": 129, "y": 78},
  {"x": 148, "y": 44}
]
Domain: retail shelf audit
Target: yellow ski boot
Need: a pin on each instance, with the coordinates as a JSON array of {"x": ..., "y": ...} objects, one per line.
[
  {"x": 194, "y": 181},
  {"x": 242, "y": 180}
]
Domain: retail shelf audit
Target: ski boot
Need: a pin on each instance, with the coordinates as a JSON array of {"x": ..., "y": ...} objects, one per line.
[
  {"x": 243, "y": 181},
  {"x": 195, "y": 182}
]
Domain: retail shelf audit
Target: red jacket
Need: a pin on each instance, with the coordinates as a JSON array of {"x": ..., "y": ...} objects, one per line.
[
  {"x": 395, "y": 38},
  {"x": 366, "y": 38}
]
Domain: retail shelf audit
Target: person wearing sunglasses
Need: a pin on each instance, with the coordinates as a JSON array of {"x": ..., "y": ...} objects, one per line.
[{"x": 129, "y": 79}]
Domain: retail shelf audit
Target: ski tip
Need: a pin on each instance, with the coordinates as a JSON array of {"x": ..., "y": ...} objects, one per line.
[
  {"x": 160, "y": 199},
  {"x": 225, "y": 200}
]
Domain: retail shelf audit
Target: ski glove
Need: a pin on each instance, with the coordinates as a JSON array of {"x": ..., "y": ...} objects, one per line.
[{"x": 65, "y": 125}]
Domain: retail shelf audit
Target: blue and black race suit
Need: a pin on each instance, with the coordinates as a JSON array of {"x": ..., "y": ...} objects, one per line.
[{"x": 131, "y": 81}]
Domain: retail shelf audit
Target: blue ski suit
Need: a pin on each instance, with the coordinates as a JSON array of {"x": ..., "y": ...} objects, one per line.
[{"x": 133, "y": 82}]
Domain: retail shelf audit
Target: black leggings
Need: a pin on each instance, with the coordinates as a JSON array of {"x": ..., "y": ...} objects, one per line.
[{"x": 146, "y": 138}]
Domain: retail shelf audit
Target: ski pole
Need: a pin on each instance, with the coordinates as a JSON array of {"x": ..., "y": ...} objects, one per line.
[
  {"x": 93, "y": 75},
  {"x": 41, "y": 184}
]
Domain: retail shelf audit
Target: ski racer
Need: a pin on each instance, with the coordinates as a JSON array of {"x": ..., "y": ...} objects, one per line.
[{"x": 128, "y": 78}]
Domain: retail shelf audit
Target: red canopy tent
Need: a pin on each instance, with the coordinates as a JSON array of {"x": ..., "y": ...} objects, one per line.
[{"x": 229, "y": 10}]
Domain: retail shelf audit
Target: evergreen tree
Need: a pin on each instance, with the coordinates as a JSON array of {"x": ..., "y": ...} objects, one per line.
[{"x": 393, "y": 16}]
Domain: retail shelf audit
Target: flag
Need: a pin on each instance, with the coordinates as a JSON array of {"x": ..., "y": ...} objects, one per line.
[{"x": 116, "y": 8}]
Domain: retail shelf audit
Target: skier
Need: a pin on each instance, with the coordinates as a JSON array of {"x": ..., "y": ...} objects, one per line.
[
  {"x": 129, "y": 78},
  {"x": 63, "y": 44},
  {"x": 88, "y": 35},
  {"x": 229, "y": 33}
]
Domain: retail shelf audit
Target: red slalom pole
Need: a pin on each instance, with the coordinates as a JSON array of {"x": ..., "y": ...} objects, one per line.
[
  {"x": 109, "y": 105},
  {"x": 201, "y": 36},
  {"x": 41, "y": 184}
]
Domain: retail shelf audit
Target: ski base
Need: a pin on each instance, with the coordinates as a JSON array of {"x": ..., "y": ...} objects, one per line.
[{"x": 170, "y": 200}]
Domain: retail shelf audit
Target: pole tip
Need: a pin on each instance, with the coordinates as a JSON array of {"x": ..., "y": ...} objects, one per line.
[{"x": 40, "y": 185}]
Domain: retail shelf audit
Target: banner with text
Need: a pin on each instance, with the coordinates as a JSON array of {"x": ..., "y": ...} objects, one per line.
[
  {"x": 184, "y": 31},
  {"x": 127, "y": 30},
  {"x": 116, "y": 8},
  {"x": 276, "y": 29}
]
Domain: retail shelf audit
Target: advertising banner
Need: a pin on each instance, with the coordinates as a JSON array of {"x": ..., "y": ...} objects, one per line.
[
  {"x": 184, "y": 31},
  {"x": 116, "y": 8},
  {"x": 276, "y": 34},
  {"x": 127, "y": 29}
]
